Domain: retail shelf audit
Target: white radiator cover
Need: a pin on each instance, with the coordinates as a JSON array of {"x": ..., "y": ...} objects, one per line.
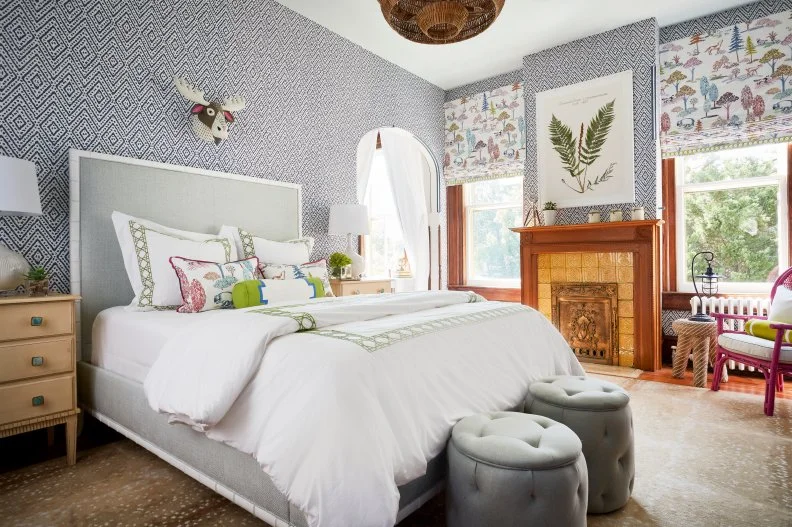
[{"x": 752, "y": 306}]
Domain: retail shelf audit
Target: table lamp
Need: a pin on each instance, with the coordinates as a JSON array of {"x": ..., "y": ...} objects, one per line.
[
  {"x": 709, "y": 285},
  {"x": 19, "y": 197},
  {"x": 351, "y": 220}
]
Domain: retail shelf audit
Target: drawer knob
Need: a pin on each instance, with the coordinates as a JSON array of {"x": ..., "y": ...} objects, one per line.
[
  {"x": 36, "y": 321},
  {"x": 37, "y": 361},
  {"x": 38, "y": 400}
]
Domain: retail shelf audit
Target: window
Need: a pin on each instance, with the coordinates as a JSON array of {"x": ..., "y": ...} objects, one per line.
[
  {"x": 733, "y": 203},
  {"x": 493, "y": 251},
  {"x": 385, "y": 242}
]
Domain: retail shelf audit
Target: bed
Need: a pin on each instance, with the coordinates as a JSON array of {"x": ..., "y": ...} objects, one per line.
[{"x": 121, "y": 351}]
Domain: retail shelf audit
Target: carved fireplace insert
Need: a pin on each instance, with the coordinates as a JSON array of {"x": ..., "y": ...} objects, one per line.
[{"x": 586, "y": 314}]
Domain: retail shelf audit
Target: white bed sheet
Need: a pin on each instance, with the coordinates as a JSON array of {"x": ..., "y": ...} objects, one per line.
[{"x": 129, "y": 342}]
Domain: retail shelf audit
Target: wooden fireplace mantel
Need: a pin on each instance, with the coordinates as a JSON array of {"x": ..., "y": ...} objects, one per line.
[{"x": 641, "y": 238}]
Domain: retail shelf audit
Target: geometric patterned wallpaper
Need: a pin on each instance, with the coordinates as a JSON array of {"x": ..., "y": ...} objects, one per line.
[
  {"x": 669, "y": 316},
  {"x": 97, "y": 75}
]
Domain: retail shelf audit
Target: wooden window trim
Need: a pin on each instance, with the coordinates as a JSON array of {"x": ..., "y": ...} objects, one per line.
[
  {"x": 455, "y": 205},
  {"x": 504, "y": 294},
  {"x": 673, "y": 299},
  {"x": 669, "y": 226}
]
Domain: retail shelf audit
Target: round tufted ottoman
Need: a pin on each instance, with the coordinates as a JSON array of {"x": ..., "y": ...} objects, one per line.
[
  {"x": 598, "y": 412},
  {"x": 513, "y": 469}
]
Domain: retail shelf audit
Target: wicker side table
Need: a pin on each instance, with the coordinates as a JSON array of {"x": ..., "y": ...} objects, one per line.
[{"x": 700, "y": 338}]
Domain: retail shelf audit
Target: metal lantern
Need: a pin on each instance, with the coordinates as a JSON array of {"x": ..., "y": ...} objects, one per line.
[{"x": 709, "y": 285}]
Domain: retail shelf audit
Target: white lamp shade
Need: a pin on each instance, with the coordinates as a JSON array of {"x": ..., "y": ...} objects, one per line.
[
  {"x": 348, "y": 219},
  {"x": 19, "y": 193}
]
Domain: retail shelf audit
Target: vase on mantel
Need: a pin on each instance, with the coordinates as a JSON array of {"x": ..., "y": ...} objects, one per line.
[{"x": 549, "y": 217}]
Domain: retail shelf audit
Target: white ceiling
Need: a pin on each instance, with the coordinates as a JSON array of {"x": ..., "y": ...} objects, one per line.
[{"x": 523, "y": 27}]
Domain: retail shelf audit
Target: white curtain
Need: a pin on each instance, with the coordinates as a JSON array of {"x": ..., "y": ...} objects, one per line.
[
  {"x": 405, "y": 165},
  {"x": 365, "y": 155}
]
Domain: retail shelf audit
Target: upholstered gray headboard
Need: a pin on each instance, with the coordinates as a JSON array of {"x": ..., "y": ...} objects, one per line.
[{"x": 180, "y": 197}]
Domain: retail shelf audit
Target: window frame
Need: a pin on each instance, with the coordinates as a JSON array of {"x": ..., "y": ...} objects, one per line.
[
  {"x": 469, "y": 208},
  {"x": 676, "y": 276}
]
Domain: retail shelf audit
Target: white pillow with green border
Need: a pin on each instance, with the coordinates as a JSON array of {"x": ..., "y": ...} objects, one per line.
[
  {"x": 291, "y": 252},
  {"x": 147, "y": 248}
]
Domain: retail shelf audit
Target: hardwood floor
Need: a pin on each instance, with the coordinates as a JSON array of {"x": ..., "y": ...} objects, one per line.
[{"x": 743, "y": 382}]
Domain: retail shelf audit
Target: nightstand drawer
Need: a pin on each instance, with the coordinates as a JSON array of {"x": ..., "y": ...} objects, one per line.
[
  {"x": 355, "y": 287},
  {"x": 26, "y": 400},
  {"x": 29, "y": 359},
  {"x": 371, "y": 288},
  {"x": 37, "y": 319}
]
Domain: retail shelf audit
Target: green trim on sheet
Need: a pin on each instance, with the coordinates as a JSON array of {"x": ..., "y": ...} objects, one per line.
[
  {"x": 376, "y": 342},
  {"x": 305, "y": 321}
]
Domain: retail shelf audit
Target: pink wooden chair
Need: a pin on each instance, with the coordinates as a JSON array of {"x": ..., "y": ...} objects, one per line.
[{"x": 772, "y": 358}]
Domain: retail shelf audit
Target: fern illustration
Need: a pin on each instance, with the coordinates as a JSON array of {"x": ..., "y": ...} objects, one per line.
[
  {"x": 564, "y": 144},
  {"x": 578, "y": 154}
]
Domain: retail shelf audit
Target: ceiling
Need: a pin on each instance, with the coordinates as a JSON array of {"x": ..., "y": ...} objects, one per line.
[{"x": 523, "y": 27}]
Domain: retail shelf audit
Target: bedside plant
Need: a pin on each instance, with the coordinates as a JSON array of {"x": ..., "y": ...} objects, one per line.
[
  {"x": 550, "y": 211},
  {"x": 339, "y": 262},
  {"x": 37, "y": 281}
]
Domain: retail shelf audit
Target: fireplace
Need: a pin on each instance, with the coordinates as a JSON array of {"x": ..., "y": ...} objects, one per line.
[
  {"x": 621, "y": 329},
  {"x": 586, "y": 314}
]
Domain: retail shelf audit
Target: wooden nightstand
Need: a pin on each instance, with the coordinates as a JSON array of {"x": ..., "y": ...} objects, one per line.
[
  {"x": 37, "y": 364},
  {"x": 361, "y": 287}
]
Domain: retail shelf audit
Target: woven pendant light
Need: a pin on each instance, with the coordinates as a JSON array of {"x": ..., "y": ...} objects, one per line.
[{"x": 440, "y": 21}]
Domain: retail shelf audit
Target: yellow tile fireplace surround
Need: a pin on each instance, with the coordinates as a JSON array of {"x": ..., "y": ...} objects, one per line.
[{"x": 593, "y": 268}]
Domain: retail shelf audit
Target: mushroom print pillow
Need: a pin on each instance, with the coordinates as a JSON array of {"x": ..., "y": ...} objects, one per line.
[{"x": 208, "y": 285}]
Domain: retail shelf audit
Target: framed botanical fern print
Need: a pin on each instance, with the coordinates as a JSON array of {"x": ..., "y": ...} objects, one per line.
[{"x": 585, "y": 142}]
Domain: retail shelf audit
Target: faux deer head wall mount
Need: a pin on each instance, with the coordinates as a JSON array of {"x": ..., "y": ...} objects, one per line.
[{"x": 210, "y": 120}]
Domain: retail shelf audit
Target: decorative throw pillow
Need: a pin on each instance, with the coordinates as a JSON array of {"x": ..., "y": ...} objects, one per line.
[
  {"x": 761, "y": 328},
  {"x": 781, "y": 308},
  {"x": 262, "y": 292},
  {"x": 293, "y": 252},
  {"x": 147, "y": 248},
  {"x": 318, "y": 269},
  {"x": 209, "y": 285}
]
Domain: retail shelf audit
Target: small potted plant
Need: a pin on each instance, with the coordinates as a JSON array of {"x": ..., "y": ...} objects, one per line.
[
  {"x": 549, "y": 213},
  {"x": 37, "y": 281},
  {"x": 340, "y": 265}
]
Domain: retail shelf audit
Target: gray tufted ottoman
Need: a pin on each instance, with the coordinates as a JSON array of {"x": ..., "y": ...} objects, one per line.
[
  {"x": 599, "y": 414},
  {"x": 512, "y": 469}
]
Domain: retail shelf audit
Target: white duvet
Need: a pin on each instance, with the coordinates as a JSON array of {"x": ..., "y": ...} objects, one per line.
[{"x": 341, "y": 414}]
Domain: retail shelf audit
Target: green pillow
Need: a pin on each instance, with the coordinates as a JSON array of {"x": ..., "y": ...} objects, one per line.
[{"x": 262, "y": 292}]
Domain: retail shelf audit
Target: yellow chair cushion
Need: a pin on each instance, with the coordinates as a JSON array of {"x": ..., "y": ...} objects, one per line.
[{"x": 761, "y": 328}]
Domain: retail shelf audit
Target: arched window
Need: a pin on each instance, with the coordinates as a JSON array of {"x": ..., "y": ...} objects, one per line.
[{"x": 385, "y": 255}]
